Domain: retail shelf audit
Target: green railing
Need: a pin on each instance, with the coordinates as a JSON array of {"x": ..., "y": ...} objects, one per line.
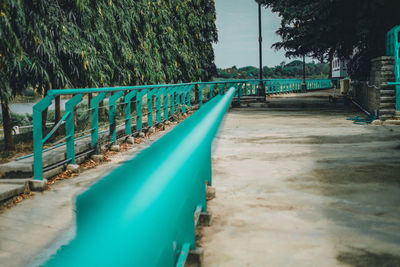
[
  {"x": 280, "y": 86},
  {"x": 160, "y": 101},
  {"x": 393, "y": 49},
  {"x": 145, "y": 212}
]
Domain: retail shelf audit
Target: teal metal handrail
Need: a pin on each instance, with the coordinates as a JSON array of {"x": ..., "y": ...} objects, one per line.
[
  {"x": 169, "y": 99},
  {"x": 393, "y": 49},
  {"x": 142, "y": 213}
]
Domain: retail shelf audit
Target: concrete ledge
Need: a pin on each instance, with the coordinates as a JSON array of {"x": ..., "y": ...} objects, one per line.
[
  {"x": 10, "y": 190},
  {"x": 14, "y": 181},
  {"x": 210, "y": 192},
  {"x": 37, "y": 185},
  {"x": 16, "y": 169},
  {"x": 391, "y": 122},
  {"x": 195, "y": 257},
  {"x": 205, "y": 219}
]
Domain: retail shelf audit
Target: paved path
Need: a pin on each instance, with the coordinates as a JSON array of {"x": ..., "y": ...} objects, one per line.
[
  {"x": 295, "y": 187},
  {"x": 304, "y": 188},
  {"x": 34, "y": 229}
]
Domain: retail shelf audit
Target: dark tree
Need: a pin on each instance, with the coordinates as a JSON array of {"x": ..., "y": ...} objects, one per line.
[
  {"x": 322, "y": 28},
  {"x": 48, "y": 44}
]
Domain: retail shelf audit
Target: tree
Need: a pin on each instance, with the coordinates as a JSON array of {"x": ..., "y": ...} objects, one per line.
[
  {"x": 292, "y": 69},
  {"x": 11, "y": 63},
  {"x": 48, "y": 44},
  {"x": 324, "y": 28}
]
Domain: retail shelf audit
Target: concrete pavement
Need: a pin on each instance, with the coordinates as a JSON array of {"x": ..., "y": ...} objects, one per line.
[
  {"x": 33, "y": 230},
  {"x": 304, "y": 187},
  {"x": 295, "y": 186}
]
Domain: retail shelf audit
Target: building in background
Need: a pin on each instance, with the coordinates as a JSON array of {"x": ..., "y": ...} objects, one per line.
[{"x": 339, "y": 68}]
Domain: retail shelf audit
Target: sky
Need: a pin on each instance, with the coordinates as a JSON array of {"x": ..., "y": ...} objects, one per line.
[{"x": 237, "y": 23}]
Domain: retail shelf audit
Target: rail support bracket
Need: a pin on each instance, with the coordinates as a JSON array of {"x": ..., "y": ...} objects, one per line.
[
  {"x": 210, "y": 192},
  {"x": 38, "y": 185},
  {"x": 195, "y": 257},
  {"x": 205, "y": 219}
]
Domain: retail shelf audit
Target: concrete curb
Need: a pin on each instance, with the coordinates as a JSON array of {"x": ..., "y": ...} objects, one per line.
[{"x": 10, "y": 188}]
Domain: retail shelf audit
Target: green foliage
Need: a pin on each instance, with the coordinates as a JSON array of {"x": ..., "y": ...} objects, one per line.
[
  {"x": 83, "y": 43},
  {"x": 293, "y": 69},
  {"x": 323, "y": 28},
  {"x": 48, "y": 44}
]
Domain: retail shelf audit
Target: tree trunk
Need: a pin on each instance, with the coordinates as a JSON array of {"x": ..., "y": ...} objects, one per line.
[
  {"x": 90, "y": 96},
  {"x": 45, "y": 112},
  {"x": 196, "y": 94},
  {"x": 7, "y": 127},
  {"x": 75, "y": 115},
  {"x": 57, "y": 111}
]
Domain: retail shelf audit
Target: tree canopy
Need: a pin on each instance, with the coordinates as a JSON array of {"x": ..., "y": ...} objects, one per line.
[
  {"x": 92, "y": 43},
  {"x": 324, "y": 28},
  {"x": 292, "y": 70}
]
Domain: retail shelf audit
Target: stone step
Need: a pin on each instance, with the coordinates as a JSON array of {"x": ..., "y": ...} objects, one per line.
[
  {"x": 385, "y": 117},
  {"x": 397, "y": 115},
  {"x": 387, "y": 105},
  {"x": 388, "y": 92},
  {"x": 10, "y": 190},
  {"x": 388, "y": 99},
  {"x": 395, "y": 121},
  {"x": 387, "y": 112}
]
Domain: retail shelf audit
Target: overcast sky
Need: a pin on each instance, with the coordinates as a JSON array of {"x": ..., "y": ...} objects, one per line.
[{"x": 237, "y": 23}]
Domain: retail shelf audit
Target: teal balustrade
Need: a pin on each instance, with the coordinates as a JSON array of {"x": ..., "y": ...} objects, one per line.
[
  {"x": 112, "y": 110},
  {"x": 142, "y": 213},
  {"x": 128, "y": 116},
  {"x": 167, "y": 99},
  {"x": 69, "y": 108}
]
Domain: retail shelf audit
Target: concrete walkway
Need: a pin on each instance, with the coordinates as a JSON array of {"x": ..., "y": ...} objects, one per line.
[
  {"x": 295, "y": 187},
  {"x": 302, "y": 187},
  {"x": 33, "y": 230}
]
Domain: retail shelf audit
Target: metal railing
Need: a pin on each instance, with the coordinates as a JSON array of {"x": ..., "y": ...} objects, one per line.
[
  {"x": 393, "y": 49},
  {"x": 144, "y": 212},
  {"x": 161, "y": 102},
  {"x": 280, "y": 86}
]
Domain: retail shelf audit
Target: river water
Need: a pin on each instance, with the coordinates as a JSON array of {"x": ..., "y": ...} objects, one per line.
[{"x": 22, "y": 108}]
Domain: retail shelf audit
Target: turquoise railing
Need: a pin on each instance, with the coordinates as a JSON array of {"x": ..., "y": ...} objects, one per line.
[
  {"x": 393, "y": 49},
  {"x": 280, "y": 86},
  {"x": 144, "y": 213},
  {"x": 161, "y": 102}
]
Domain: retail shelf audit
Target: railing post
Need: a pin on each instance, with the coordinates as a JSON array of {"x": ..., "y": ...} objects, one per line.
[
  {"x": 158, "y": 104},
  {"x": 189, "y": 95},
  {"x": 128, "y": 116},
  {"x": 111, "y": 116},
  {"x": 139, "y": 109},
  {"x": 172, "y": 100},
  {"x": 178, "y": 99},
  {"x": 94, "y": 106},
  {"x": 165, "y": 103},
  {"x": 239, "y": 90},
  {"x": 69, "y": 126},
  {"x": 221, "y": 89},
  {"x": 150, "y": 95},
  {"x": 183, "y": 98},
  {"x": 201, "y": 95},
  {"x": 211, "y": 91},
  {"x": 38, "y": 135}
]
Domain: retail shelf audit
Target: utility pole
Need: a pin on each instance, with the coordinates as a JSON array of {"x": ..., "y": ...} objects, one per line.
[
  {"x": 260, "y": 86},
  {"x": 303, "y": 84}
]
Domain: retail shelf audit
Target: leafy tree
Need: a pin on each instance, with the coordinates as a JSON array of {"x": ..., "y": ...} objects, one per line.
[
  {"x": 48, "y": 44},
  {"x": 292, "y": 69},
  {"x": 323, "y": 28},
  {"x": 11, "y": 62}
]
